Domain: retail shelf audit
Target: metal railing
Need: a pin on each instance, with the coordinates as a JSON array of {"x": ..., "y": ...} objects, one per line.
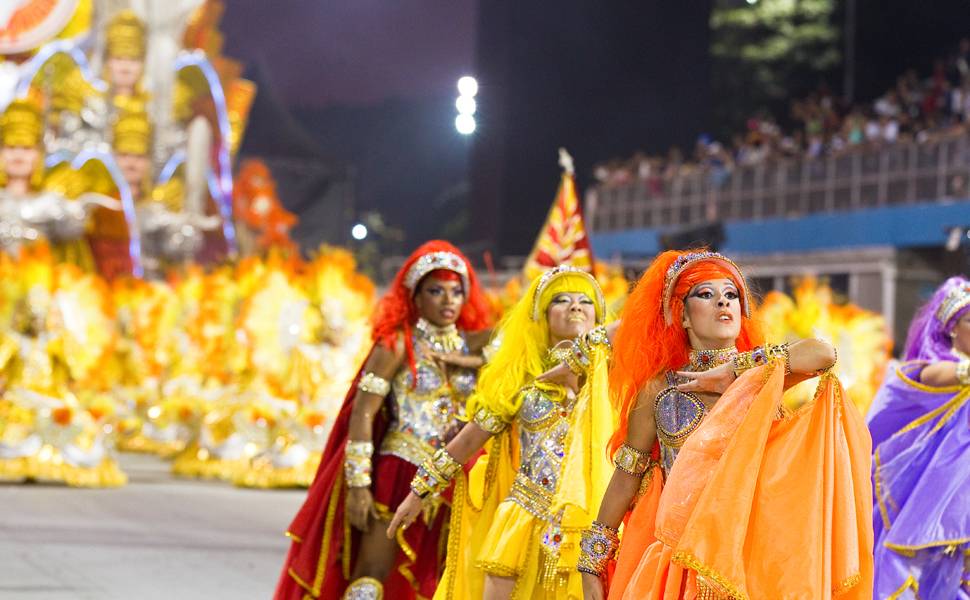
[{"x": 904, "y": 173}]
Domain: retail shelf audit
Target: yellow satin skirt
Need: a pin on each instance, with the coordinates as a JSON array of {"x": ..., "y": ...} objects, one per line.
[{"x": 514, "y": 548}]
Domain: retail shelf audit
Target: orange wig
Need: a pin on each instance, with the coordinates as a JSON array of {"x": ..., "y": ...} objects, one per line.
[
  {"x": 396, "y": 313},
  {"x": 646, "y": 346}
]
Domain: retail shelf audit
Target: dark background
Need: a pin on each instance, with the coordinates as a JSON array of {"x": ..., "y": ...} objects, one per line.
[{"x": 357, "y": 97}]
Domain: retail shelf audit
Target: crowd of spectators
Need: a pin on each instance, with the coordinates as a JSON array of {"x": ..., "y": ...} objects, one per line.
[{"x": 913, "y": 109}]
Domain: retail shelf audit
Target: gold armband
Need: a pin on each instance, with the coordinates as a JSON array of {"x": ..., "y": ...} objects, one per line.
[
  {"x": 489, "y": 421},
  {"x": 632, "y": 461},
  {"x": 357, "y": 463},
  {"x": 371, "y": 383}
]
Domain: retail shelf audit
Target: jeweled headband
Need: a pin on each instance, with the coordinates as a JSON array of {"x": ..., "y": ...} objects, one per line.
[
  {"x": 677, "y": 269},
  {"x": 433, "y": 261},
  {"x": 955, "y": 301},
  {"x": 559, "y": 271}
]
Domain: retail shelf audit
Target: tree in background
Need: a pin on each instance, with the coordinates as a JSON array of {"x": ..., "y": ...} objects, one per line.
[{"x": 768, "y": 51}]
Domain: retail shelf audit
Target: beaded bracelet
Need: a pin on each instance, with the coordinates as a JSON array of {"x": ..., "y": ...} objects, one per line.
[
  {"x": 357, "y": 463},
  {"x": 597, "y": 546},
  {"x": 760, "y": 355},
  {"x": 435, "y": 474}
]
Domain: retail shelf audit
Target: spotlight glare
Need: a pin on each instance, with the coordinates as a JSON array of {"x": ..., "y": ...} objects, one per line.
[
  {"x": 359, "y": 231},
  {"x": 466, "y": 105},
  {"x": 468, "y": 86},
  {"x": 465, "y": 124}
]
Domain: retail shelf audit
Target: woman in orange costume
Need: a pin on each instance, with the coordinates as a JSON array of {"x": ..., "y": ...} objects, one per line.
[
  {"x": 406, "y": 402},
  {"x": 723, "y": 494}
]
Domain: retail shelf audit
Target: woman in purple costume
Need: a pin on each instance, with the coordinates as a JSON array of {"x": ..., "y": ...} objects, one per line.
[{"x": 920, "y": 425}]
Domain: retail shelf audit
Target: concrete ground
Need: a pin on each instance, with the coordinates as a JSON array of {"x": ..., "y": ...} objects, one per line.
[{"x": 159, "y": 537}]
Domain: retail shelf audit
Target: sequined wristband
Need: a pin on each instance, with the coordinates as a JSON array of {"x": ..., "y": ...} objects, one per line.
[
  {"x": 357, "y": 464},
  {"x": 597, "y": 546},
  {"x": 780, "y": 351},
  {"x": 435, "y": 474},
  {"x": 963, "y": 371},
  {"x": 567, "y": 356},
  {"x": 371, "y": 383},
  {"x": 632, "y": 461},
  {"x": 597, "y": 336},
  {"x": 744, "y": 361}
]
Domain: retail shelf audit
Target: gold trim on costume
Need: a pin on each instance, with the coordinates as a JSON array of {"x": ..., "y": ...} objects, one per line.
[
  {"x": 691, "y": 562},
  {"x": 847, "y": 584},
  {"x": 905, "y": 378},
  {"x": 535, "y": 499},
  {"x": 910, "y": 583},
  {"x": 407, "y": 447}
]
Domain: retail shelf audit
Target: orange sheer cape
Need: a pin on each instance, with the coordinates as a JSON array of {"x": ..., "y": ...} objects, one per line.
[{"x": 758, "y": 507}]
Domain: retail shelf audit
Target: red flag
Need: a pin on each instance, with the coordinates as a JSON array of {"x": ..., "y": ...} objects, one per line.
[{"x": 563, "y": 239}]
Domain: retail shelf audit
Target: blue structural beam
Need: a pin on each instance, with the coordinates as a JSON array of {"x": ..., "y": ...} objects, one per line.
[{"x": 899, "y": 226}]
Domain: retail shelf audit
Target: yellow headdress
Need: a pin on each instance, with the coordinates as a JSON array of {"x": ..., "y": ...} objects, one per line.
[
  {"x": 132, "y": 134},
  {"x": 525, "y": 340},
  {"x": 21, "y": 124},
  {"x": 126, "y": 36}
]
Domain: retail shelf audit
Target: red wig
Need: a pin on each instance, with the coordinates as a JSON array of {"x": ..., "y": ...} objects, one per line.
[
  {"x": 645, "y": 346},
  {"x": 396, "y": 313}
]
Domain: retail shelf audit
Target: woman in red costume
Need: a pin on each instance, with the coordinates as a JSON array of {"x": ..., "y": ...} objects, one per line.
[
  {"x": 407, "y": 402},
  {"x": 723, "y": 493}
]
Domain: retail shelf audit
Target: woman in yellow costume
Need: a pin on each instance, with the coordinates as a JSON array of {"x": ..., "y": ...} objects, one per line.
[
  {"x": 722, "y": 493},
  {"x": 516, "y": 535}
]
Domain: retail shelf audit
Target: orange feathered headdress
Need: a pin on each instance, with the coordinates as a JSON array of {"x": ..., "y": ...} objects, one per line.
[
  {"x": 651, "y": 338},
  {"x": 396, "y": 311}
]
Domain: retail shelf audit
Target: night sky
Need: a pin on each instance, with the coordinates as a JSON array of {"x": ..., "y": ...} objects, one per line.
[
  {"x": 339, "y": 52},
  {"x": 372, "y": 84}
]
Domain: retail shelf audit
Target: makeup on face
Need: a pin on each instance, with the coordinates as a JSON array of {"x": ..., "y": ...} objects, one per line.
[
  {"x": 712, "y": 311},
  {"x": 440, "y": 301},
  {"x": 570, "y": 314}
]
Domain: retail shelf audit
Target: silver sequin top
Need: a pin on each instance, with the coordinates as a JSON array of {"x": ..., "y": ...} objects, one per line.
[
  {"x": 677, "y": 414},
  {"x": 543, "y": 426},
  {"x": 425, "y": 416}
]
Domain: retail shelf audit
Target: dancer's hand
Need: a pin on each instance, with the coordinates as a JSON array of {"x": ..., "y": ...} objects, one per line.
[
  {"x": 561, "y": 375},
  {"x": 406, "y": 513},
  {"x": 457, "y": 359},
  {"x": 360, "y": 508},
  {"x": 715, "y": 381},
  {"x": 592, "y": 587}
]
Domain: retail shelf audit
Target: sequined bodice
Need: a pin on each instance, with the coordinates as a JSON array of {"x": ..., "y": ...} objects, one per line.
[
  {"x": 428, "y": 411},
  {"x": 677, "y": 414},
  {"x": 543, "y": 424}
]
